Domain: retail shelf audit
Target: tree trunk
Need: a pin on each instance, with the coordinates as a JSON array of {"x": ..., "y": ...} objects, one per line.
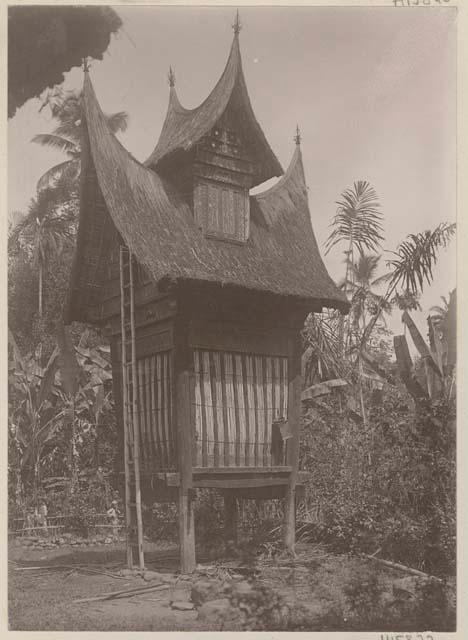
[
  {"x": 73, "y": 465},
  {"x": 40, "y": 289}
]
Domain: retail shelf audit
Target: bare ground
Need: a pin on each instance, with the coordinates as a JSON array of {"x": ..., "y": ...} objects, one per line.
[{"x": 43, "y": 600}]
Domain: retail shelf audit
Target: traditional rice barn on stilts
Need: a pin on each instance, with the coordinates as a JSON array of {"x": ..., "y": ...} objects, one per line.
[{"x": 203, "y": 290}]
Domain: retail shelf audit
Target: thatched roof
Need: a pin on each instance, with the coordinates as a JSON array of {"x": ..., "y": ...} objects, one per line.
[
  {"x": 281, "y": 255},
  {"x": 184, "y": 128}
]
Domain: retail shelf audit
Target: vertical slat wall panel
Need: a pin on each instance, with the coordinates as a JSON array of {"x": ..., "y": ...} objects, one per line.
[
  {"x": 270, "y": 411},
  {"x": 147, "y": 408},
  {"x": 141, "y": 411},
  {"x": 200, "y": 460},
  {"x": 171, "y": 448},
  {"x": 208, "y": 400},
  {"x": 241, "y": 435},
  {"x": 154, "y": 416},
  {"x": 228, "y": 380},
  {"x": 238, "y": 396},
  {"x": 159, "y": 411},
  {"x": 217, "y": 426},
  {"x": 166, "y": 387},
  {"x": 253, "y": 429},
  {"x": 154, "y": 395},
  {"x": 260, "y": 411}
]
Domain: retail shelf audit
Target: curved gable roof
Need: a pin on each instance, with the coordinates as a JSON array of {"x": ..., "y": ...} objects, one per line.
[
  {"x": 281, "y": 255},
  {"x": 183, "y": 128}
]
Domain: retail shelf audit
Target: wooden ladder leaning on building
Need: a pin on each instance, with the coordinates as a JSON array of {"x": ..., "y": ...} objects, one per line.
[{"x": 133, "y": 517}]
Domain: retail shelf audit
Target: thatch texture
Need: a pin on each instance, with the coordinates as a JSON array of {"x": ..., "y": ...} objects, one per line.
[
  {"x": 183, "y": 128},
  {"x": 281, "y": 255}
]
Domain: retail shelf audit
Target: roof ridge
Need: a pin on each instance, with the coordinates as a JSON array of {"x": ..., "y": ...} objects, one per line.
[
  {"x": 295, "y": 162},
  {"x": 220, "y": 79},
  {"x": 88, "y": 88},
  {"x": 183, "y": 128}
]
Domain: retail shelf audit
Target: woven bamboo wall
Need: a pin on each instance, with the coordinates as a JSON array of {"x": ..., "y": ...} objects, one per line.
[
  {"x": 237, "y": 398},
  {"x": 155, "y": 412}
]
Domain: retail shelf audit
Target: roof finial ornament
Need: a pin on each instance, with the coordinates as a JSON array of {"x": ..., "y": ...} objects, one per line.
[
  {"x": 297, "y": 137},
  {"x": 171, "y": 77},
  {"x": 86, "y": 64},
  {"x": 237, "y": 26}
]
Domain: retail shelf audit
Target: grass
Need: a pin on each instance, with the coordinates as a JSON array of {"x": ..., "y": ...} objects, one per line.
[{"x": 43, "y": 600}]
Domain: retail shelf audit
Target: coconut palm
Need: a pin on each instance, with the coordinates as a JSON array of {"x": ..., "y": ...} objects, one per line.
[
  {"x": 66, "y": 108},
  {"x": 362, "y": 282},
  {"x": 406, "y": 301},
  {"x": 45, "y": 230},
  {"x": 412, "y": 266}
]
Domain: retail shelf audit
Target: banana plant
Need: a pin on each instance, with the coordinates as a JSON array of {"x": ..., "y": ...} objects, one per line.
[{"x": 34, "y": 416}]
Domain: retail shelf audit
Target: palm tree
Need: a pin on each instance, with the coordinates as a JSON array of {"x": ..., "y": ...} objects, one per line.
[
  {"x": 412, "y": 266},
  {"x": 357, "y": 221},
  {"x": 407, "y": 301},
  {"x": 364, "y": 298},
  {"x": 46, "y": 229},
  {"x": 67, "y": 109}
]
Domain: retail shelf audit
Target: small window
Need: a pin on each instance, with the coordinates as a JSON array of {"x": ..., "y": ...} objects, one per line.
[{"x": 222, "y": 211}]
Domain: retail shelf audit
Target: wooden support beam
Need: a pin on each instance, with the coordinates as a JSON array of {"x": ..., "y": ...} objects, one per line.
[
  {"x": 230, "y": 518},
  {"x": 292, "y": 453},
  {"x": 183, "y": 384},
  {"x": 239, "y": 483}
]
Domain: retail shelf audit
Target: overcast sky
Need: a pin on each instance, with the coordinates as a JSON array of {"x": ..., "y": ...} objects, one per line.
[{"x": 373, "y": 91}]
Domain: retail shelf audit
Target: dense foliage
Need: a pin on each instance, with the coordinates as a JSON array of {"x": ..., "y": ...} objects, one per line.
[
  {"x": 45, "y": 42},
  {"x": 390, "y": 487}
]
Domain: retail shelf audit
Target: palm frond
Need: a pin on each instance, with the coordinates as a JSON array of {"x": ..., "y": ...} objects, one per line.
[
  {"x": 117, "y": 121},
  {"x": 358, "y": 219},
  {"x": 56, "y": 142},
  {"x": 416, "y": 257},
  {"x": 51, "y": 175}
]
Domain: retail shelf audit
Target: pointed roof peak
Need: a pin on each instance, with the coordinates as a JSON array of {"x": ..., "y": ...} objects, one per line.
[
  {"x": 171, "y": 77},
  {"x": 183, "y": 128},
  {"x": 237, "y": 26},
  {"x": 297, "y": 137}
]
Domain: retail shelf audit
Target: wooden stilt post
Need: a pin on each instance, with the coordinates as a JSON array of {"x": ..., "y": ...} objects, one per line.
[
  {"x": 125, "y": 414},
  {"x": 230, "y": 518},
  {"x": 186, "y": 514},
  {"x": 294, "y": 420},
  {"x": 133, "y": 513},
  {"x": 136, "y": 420},
  {"x": 184, "y": 382}
]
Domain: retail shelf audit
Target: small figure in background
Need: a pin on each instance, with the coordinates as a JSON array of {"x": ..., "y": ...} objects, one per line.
[
  {"x": 113, "y": 515},
  {"x": 30, "y": 520},
  {"x": 41, "y": 515}
]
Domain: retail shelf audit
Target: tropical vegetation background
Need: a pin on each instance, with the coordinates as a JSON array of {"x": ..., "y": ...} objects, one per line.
[{"x": 378, "y": 428}]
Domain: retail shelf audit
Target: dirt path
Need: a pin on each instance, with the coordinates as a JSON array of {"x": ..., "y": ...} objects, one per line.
[{"x": 43, "y": 600}]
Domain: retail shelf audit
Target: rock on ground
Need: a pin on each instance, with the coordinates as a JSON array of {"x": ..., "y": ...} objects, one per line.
[
  {"x": 205, "y": 590},
  {"x": 217, "y": 612}
]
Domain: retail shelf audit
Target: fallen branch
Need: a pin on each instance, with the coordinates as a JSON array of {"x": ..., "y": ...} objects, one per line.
[
  {"x": 126, "y": 593},
  {"x": 402, "y": 567},
  {"x": 74, "y": 567}
]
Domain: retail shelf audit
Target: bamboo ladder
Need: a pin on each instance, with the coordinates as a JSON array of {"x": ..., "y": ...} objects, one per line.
[{"x": 133, "y": 517}]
